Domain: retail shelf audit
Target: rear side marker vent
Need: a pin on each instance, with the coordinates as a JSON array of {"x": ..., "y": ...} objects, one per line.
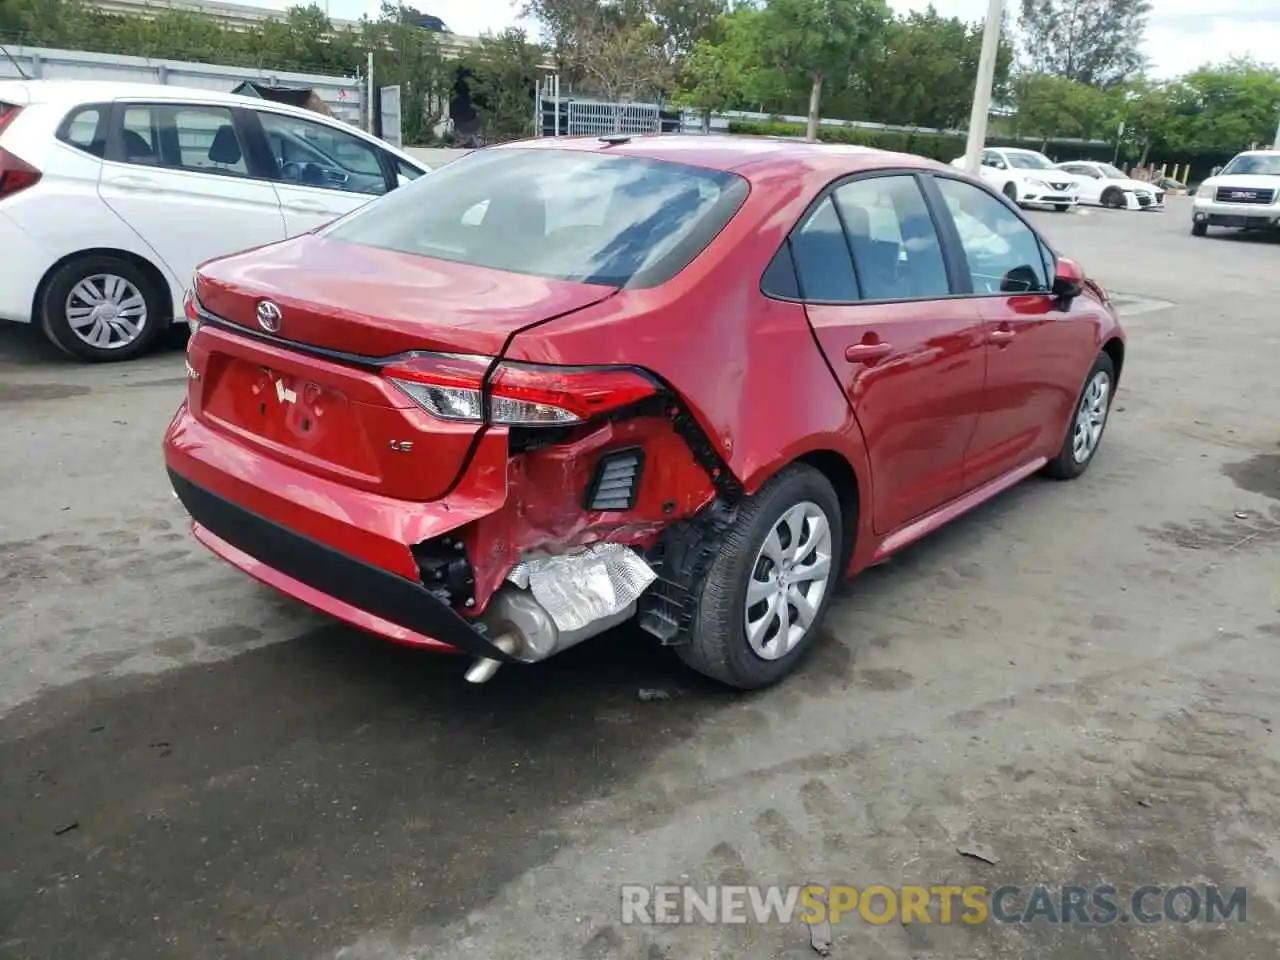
[{"x": 616, "y": 483}]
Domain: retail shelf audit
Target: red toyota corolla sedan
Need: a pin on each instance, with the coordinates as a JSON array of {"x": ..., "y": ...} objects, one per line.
[{"x": 691, "y": 380}]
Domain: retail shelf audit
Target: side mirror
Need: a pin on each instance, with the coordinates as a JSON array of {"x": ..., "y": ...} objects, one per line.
[{"x": 1068, "y": 280}]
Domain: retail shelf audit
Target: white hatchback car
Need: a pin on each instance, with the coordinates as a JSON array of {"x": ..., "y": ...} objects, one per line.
[{"x": 111, "y": 194}]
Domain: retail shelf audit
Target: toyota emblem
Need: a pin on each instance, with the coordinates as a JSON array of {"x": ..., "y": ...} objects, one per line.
[{"x": 269, "y": 316}]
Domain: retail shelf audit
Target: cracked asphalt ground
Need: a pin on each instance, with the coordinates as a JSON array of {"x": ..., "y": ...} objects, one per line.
[{"x": 1082, "y": 676}]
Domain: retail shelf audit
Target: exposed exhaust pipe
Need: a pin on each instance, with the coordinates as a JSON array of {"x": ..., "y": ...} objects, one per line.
[
  {"x": 483, "y": 669},
  {"x": 584, "y": 594}
]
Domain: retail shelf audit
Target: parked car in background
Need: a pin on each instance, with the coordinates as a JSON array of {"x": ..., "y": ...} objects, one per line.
[
  {"x": 691, "y": 380},
  {"x": 1027, "y": 178},
  {"x": 111, "y": 194},
  {"x": 1104, "y": 185},
  {"x": 1244, "y": 195}
]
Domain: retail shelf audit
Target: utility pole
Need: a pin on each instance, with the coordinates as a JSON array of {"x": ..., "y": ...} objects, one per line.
[
  {"x": 369, "y": 95},
  {"x": 982, "y": 89}
]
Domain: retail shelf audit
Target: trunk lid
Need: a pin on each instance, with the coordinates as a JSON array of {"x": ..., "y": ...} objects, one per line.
[
  {"x": 340, "y": 420},
  {"x": 376, "y": 303}
]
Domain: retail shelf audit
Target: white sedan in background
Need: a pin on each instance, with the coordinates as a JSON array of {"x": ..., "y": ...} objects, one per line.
[
  {"x": 1027, "y": 177},
  {"x": 111, "y": 194},
  {"x": 1103, "y": 185}
]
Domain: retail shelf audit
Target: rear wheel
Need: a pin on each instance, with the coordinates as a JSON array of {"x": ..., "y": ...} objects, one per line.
[
  {"x": 766, "y": 593},
  {"x": 101, "y": 308},
  {"x": 1200, "y": 229},
  {"x": 1087, "y": 423}
]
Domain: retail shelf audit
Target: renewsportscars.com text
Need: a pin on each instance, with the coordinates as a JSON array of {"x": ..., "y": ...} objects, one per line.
[{"x": 940, "y": 904}]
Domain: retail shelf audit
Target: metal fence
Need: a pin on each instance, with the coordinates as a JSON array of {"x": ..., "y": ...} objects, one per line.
[
  {"x": 342, "y": 95},
  {"x": 587, "y": 118},
  {"x": 576, "y": 117}
]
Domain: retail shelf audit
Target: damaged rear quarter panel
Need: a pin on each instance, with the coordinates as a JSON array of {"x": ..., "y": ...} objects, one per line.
[
  {"x": 745, "y": 365},
  {"x": 547, "y": 490}
]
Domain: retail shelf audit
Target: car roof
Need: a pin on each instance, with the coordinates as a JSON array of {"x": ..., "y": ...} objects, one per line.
[
  {"x": 750, "y": 156},
  {"x": 71, "y": 92}
]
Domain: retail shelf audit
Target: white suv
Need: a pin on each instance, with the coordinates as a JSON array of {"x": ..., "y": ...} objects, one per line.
[
  {"x": 111, "y": 194},
  {"x": 1244, "y": 194}
]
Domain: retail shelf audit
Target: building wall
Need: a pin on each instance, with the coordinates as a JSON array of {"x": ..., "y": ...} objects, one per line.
[{"x": 239, "y": 16}]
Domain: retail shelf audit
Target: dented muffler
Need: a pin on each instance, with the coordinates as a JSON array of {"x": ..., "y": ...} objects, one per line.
[{"x": 551, "y": 602}]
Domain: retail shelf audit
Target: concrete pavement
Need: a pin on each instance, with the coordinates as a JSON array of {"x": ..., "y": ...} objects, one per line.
[{"x": 1082, "y": 676}]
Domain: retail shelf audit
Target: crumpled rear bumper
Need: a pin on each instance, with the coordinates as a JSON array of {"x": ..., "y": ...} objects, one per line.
[
  {"x": 346, "y": 552},
  {"x": 335, "y": 583}
]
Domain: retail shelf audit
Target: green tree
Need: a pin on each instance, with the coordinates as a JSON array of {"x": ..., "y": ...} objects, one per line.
[
  {"x": 1051, "y": 106},
  {"x": 407, "y": 55},
  {"x": 1226, "y": 107},
  {"x": 1146, "y": 110},
  {"x": 925, "y": 70},
  {"x": 1094, "y": 42},
  {"x": 615, "y": 48},
  {"x": 504, "y": 74},
  {"x": 813, "y": 41},
  {"x": 719, "y": 75}
]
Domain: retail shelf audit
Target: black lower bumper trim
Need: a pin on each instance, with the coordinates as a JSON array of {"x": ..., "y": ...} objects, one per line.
[{"x": 363, "y": 586}]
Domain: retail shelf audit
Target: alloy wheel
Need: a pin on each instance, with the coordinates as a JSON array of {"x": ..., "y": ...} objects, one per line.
[{"x": 788, "y": 581}]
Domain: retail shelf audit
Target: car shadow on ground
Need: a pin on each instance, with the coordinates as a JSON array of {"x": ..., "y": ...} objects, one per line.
[
  {"x": 25, "y": 345},
  {"x": 1261, "y": 237}
]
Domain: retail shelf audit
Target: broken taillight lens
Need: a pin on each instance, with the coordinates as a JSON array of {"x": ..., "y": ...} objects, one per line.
[
  {"x": 448, "y": 386},
  {"x": 15, "y": 174}
]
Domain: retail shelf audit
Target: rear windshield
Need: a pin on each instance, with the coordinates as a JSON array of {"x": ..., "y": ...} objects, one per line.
[{"x": 561, "y": 214}]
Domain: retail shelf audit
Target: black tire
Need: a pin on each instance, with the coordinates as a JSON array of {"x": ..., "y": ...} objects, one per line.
[
  {"x": 1062, "y": 207},
  {"x": 1200, "y": 229},
  {"x": 718, "y": 646},
  {"x": 1113, "y": 198},
  {"x": 52, "y": 309},
  {"x": 1011, "y": 192},
  {"x": 1066, "y": 465}
]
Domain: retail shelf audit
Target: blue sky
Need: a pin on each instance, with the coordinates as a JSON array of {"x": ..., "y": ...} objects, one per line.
[{"x": 1182, "y": 33}]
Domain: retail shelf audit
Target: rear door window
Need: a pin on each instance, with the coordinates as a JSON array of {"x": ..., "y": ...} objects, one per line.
[
  {"x": 821, "y": 252},
  {"x": 180, "y": 136},
  {"x": 592, "y": 218},
  {"x": 895, "y": 246},
  {"x": 85, "y": 128}
]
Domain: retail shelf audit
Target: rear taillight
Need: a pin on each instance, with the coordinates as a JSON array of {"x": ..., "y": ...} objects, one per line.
[
  {"x": 448, "y": 386},
  {"x": 191, "y": 311},
  {"x": 15, "y": 174},
  {"x": 8, "y": 113}
]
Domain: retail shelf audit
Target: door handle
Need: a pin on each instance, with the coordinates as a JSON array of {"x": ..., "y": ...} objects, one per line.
[
  {"x": 867, "y": 352},
  {"x": 306, "y": 206},
  {"x": 1000, "y": 338}
]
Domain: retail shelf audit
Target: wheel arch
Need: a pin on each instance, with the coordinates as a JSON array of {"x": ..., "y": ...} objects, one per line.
[
  {"x": 152, "y": 272},
  {"x": 844, "y": 480},
  {"x": 1114, "y": 348}
]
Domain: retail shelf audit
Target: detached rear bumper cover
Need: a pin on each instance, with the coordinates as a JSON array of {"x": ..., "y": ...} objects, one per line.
[{"x": 340, "y": 585}]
